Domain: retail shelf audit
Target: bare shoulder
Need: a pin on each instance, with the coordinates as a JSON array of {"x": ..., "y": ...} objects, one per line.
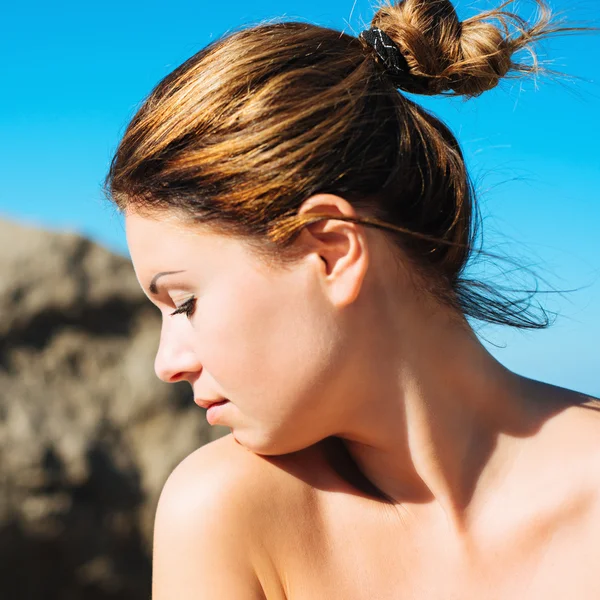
[
  {"x": 570, "y": 445},
  {"x": 585, "y": 433},
  {"x": 580, "y": 425},
  {"x": 213, "y": 522},
  {"x": 204, "y": 527},
  {"x": 584, "y": 437},
  {"x": 211, "y": 475},
  {"x": 219, "y": 459},
  {"x": 573, "y": 427},
  {"x": 231, "y": 477}
]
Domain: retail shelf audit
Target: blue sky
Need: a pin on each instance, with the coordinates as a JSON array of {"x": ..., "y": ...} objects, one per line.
[{"x": 74, "y": 74}]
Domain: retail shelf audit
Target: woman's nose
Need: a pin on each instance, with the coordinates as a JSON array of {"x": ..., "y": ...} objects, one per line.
[{"x": 175, "y": 360}]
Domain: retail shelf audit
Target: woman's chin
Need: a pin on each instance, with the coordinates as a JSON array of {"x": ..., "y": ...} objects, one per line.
[
  {"x": 262, "y": 446},
  {"x": 267, "y": 443}
]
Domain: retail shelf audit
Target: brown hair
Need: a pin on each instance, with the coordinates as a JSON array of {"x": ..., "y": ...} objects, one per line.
[{"x": 248, "y": 128}]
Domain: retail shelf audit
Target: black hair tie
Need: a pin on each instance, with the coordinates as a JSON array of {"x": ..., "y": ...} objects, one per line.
[{"x": 389, "y": 54}]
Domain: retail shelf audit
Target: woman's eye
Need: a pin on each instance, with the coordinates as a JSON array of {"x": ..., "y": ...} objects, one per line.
[{"x": 187, "y": 308}]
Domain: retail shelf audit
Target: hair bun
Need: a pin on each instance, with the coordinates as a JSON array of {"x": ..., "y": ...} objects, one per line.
[
  {"x": 465, "y": 58},
  {"x": 387, "y": 53}
]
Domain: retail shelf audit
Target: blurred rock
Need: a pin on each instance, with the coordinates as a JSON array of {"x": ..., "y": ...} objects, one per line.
[{"x": 88, "y": 434}]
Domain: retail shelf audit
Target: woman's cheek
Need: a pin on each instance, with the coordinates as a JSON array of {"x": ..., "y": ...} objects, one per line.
[
  {"x": 230, "y": 334},
  {"x": 248, "y": 344}
]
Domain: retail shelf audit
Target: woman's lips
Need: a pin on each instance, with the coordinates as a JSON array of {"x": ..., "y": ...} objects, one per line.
[
  {"x": 208, "y": 403},
  {"x": 214, "y": 410}
]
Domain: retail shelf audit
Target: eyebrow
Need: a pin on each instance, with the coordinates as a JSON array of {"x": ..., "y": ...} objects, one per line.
[{"x": 152, "y": 287}]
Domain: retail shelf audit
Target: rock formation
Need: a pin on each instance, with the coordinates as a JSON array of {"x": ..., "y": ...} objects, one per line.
[{"x": 88, "y": 434}]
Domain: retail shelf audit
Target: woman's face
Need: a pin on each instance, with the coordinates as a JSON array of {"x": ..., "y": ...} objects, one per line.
[{"x": 265, "y": 338}]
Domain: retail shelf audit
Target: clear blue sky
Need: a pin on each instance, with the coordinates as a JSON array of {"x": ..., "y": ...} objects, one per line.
[{"x": 74, "y": 73}]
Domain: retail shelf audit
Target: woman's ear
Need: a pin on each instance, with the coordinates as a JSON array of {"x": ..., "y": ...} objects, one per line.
[{"x": 340, "y": 248}]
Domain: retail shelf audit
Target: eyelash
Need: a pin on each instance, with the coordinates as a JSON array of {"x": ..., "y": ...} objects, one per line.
[{"x": 187, "y": 308}]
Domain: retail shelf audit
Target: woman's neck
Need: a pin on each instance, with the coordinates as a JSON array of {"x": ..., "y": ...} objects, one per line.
[{"x": 436, "y": 417}]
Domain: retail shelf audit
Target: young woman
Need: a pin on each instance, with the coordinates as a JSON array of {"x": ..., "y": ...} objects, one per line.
[{"x": 304, "y": 227}]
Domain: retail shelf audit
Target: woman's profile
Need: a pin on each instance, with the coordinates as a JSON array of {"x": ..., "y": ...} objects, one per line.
[{"x": 304, "y": 227}]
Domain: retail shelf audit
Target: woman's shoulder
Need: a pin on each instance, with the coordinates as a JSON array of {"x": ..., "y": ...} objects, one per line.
[
  {"x": 568, "y": 431},
  {"x": 567, "y": 453},
  {"x": 225, "y": 468},
  {"x": 582, "y": 433},
  {"x": 215, "y": 461},
  {"x": 225, "y": 478},
  {"x": 574, "y": 457},
  {"x": 575, "y": 422},
  {"x": 219, "y": 514}
]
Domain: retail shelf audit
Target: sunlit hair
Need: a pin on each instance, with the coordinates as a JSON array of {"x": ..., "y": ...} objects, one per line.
[{"x": 248, "y": 128}]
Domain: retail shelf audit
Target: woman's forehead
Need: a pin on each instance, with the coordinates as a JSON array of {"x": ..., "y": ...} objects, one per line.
[
  {"x": 170, "y": 232},
  {"x": 157, "y": 244}
]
